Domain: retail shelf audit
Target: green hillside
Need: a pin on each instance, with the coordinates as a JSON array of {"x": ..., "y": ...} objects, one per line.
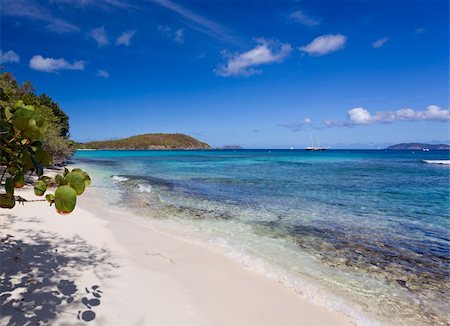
[
  {"x": 419, "y": 146},
  {"x": 148, "y": 141}
]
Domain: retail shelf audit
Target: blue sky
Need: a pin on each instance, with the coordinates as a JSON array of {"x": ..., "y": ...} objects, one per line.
[{"x": 252, "y": 73}]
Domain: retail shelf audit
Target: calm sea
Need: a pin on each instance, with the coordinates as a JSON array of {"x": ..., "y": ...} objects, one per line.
[{"x": 363, "y": 232}]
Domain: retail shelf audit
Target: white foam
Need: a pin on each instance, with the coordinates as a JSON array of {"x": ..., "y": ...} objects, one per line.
[
  {"x": 443, "y": 162},
  {"x": 144, "y": 188},
  {"x": 119, "y": 179}
]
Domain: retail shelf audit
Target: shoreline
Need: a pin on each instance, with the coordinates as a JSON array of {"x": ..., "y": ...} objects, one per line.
[{"x": 146, "y": 275}]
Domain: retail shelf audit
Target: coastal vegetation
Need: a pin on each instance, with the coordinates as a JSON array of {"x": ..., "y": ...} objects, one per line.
[
  {"x": 34, "y": 131},
  {"x": 419, "y": 146},
  {"x": 148, "y": 141}
]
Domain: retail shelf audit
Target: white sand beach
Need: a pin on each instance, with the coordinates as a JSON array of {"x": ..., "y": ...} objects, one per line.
[{"x": 107, "y": 269}]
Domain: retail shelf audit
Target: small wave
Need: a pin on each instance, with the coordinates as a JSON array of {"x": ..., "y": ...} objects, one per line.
[
  {"x": 144, "y": 188},
  {"x": 119, "y": 178},
  {"x": 442, "y": 162}
]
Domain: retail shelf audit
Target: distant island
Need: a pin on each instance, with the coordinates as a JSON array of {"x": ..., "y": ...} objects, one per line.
[
  {"x": 148, "y": 141},
  {"x": 419, "y": 146}
]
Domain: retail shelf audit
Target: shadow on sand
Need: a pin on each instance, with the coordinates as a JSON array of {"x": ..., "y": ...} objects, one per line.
[{"x": 38, "y": 273}]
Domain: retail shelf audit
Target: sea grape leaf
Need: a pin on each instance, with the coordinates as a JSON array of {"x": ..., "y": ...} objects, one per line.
[
  {"x": 76, "y": 181},
  {"x": 8, "y": 114},
  {"x": 43, "y": 157},
  {"x": 50, "y": 198},
  {"x": 19, "y": 180},
  {"x": 18, "y": 104},
  {"x": 40, "y": 187},
  {"x": 87, "y": 179},
  {"x": 60, "y": 181},
  {"x": 27, "y": 161},
  {"x": 7, "y": 202},
  {"x": 9, "y": 187},
  {"x": 21, "y": 123},
  {"x": 65, "y": 199},
  {"x": 47, "y": 180}
]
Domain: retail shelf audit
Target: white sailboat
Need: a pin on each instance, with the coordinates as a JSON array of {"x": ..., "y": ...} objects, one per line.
[{"x": 315, "y": 148}]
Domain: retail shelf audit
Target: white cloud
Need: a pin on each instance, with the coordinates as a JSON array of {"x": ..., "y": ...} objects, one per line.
[
  {"x": 300, "y": 17},
  {"x": 125, "y": 38},
  {"x": 9, "y": 57},
  {"x": 179, "y": 36},
  {"x": 31, "y": 10},
  {"x": 102, "y": 73},
  {"x": 242, "y": 64},
  {"x": 325, "y": 44},
  {"x": 380, "y": 42},
  {"x": 40, "y": 63},
  {"x": 199, "y": 23},
  {"x": 358, "y": 116},
  {"x": 100, "y": 36},
  {"x": 297, "y": 126},
  {"x": 104, "y": 4}
]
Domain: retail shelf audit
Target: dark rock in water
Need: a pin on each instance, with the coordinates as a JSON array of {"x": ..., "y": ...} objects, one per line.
[
  {"x": 151, "y": 180},
  {"x": 402, "y": 283}
]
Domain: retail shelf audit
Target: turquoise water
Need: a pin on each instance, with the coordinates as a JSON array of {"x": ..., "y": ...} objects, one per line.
[{"x": 362, "y": 232}]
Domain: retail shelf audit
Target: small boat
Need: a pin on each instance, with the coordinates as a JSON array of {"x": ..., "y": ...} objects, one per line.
[
  {"x": 315, "y": 148},
  {"x": 425, "y": 149}
]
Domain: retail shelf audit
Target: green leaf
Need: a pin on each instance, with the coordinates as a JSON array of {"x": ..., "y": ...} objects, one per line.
[
  {"x": 47, "y": 180},
  {"x": 21, "y": 123},
  {"x": 87, "y": 179},
  {"x": 7, "y": 202},
  {"x": 8, "y": 114},
  {"x": 76, "y": 181},
  {"x": 32, "y": 133},
  {"x": 27, "y": 161},
  {"x": 50, "y": 198},
  {"x": 39, "y": 188},
  {"x": 60, "y": 181},
  {"x": 9, "y": 187},
  {"x": 19, "y": 180},
  {"x": 18, "y": 104},
  {"x": 31, "y": 123},
  {"x": 43, "y": 157},
  {"x": 65, "y": 199}
]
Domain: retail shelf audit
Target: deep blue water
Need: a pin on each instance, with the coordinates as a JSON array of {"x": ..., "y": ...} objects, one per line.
[{"x": 376, "y": 221}]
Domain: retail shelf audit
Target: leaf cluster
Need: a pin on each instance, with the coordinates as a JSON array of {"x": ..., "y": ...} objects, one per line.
[{"x": 24, "y": 128}]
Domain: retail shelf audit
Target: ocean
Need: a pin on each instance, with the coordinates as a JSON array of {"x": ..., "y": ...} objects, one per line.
[{"x": 361, "y": 232}]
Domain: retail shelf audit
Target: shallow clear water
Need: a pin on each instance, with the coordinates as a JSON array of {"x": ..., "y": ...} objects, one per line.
[{"x": 363, "y": 232}]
